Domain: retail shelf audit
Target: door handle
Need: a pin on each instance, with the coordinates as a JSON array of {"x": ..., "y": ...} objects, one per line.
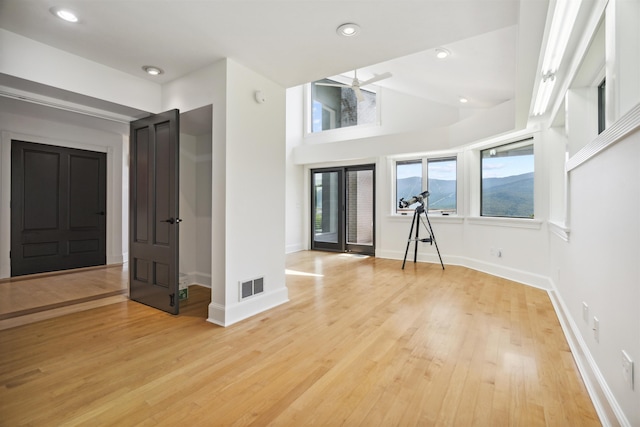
[{"x": 173, "y": 221}]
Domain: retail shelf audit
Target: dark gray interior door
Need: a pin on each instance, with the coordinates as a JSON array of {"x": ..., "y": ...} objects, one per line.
[
  {"x": 58, "y": 208},
  {"x": 153, "y": 211}
]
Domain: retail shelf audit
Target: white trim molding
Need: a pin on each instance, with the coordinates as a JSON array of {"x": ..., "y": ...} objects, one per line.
[
  {"x": 559, "y": 230},
  {"x": 607, "y": 408},
  {"x": 627, "y": 124}
]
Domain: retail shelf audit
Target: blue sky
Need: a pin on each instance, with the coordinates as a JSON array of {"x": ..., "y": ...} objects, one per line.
[
  {"x": 499, "y": 167},
  {"x": 437, "y": 170},
  {"x": 493, "y": 167}
]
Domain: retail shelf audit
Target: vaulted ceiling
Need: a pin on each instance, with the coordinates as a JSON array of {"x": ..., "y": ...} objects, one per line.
[{"x": 494, "y": 44}]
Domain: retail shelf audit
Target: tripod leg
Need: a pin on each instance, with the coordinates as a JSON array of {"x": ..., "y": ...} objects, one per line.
[
  {"x": 409, "y": 240},
  {"x": 417, "y": 240},
  {"x": 433, "y": 239}
]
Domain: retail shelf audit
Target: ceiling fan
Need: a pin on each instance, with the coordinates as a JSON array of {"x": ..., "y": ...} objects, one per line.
[{"x": 357, "y": 84}]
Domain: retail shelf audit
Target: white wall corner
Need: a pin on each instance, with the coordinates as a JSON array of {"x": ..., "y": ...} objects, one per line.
[
  {"x": 296, "y": 247},
  {"x": 233, "y": 313},
  {"x": 217, "y": 314},
  {"x": 200, "y": 279},
  {"x": 606, "y": 406},
  {"x": 115, "y": 259}
]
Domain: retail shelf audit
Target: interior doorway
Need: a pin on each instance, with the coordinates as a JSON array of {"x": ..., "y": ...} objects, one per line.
[{"x": 343, "y": 209}]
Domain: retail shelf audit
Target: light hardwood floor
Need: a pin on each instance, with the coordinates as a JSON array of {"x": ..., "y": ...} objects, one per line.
[
  {"x": 361, "y": 343},
  {"x": 31, "y": 298}
]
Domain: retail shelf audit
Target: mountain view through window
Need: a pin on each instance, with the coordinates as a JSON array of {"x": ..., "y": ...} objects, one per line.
[
  {"x": 507, "y": 181},
  {"x": 441, "y": 183}
]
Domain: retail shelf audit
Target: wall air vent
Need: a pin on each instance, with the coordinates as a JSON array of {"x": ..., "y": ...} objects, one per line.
[{"x": 249, "y": 288}]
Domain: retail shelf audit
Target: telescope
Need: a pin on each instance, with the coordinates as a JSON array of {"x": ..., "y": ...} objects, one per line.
[{"x": 415, "y": 199}]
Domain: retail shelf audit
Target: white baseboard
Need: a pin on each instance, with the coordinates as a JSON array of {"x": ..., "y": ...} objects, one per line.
[
  {"x": 117, "y": 259},
  {"x": 198, "y": 278},
  {"x": 520, "y": 276},
  {"x": 289, "y": 249},
  {"x": 233, "y": 313},
  {"x": 606, "y": 406}
]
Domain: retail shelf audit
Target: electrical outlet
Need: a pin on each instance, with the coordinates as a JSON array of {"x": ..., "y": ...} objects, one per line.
[
  {"x": 499, "y": 253},
  {"x": 492, "y": 251},
  {"x": 627, "y": 368},
  {"x": 585, "y": 312},
  {"x": 596, "y": 329}
]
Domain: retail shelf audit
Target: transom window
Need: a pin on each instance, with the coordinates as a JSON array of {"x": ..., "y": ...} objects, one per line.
[{"x": 338, "y": 107}]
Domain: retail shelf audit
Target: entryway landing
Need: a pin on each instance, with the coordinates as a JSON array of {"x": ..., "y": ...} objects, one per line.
[{"x": 28, "y": 299}]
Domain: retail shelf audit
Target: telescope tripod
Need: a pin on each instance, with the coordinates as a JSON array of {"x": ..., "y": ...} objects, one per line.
[{"x": 415, "y": 223}]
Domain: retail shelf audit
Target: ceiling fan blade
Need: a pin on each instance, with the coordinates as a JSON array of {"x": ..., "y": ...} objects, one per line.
[
  {"x": 332, "y": 84},
  {"x": 358, "y": 92},
  {"x": 376, "y": 79}
]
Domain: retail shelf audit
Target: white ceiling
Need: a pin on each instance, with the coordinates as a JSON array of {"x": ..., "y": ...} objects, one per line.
[{"x": 293, "y": 42}]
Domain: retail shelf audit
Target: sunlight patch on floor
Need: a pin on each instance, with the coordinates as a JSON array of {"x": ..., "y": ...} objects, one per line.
[{"x": 301, "y": 273}]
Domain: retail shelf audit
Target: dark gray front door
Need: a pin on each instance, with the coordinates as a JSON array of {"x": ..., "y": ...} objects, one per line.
[
  {"x": 58, "y": 208},
  {"x": 153, "y": 211}
]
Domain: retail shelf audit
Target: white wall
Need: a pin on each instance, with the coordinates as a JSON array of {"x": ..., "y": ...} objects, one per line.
[
  {"x": 418, "y": 128},
  {"x": 248, "y": 183},
  {"x": 188, "y": 199},
  {"x": 195, "y": 208},
  {"x": 33, "y": 123},
  {"x": 255, "y": 189},
  {"x": 24, "y": 58},
  {"x": 203, "y": 211},
  {"x": 594, "y": 255},
  {"x": 295, "y": 175},
  {"x": 598, "y": 265}
]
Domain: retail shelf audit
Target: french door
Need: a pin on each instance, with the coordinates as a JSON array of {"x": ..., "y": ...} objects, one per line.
[{"x": 343, "y": 209}]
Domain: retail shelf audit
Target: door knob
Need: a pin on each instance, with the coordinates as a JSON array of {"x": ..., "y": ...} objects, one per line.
[{"x": 173, "y": 221}]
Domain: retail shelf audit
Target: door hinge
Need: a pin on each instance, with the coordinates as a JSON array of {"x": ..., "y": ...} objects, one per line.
[{"x": 172, "y": 300}]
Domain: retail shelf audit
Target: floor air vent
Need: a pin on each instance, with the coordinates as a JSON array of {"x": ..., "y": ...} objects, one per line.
[{"x": 251, "y": 287}]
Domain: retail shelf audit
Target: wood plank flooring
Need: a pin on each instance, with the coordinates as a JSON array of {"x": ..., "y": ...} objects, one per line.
[
  {"x": 44, "y": 295},
  {"x": 361, "y": 343}
]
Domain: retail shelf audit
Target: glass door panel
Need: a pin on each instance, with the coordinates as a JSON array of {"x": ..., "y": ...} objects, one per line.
[
  {"x": 360, "y": 210},
  {"x": 327, "y": 208}
]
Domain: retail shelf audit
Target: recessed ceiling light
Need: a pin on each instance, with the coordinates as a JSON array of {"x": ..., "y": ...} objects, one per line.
[
  {"x": 152, "y": 70},
  {"x": 463, "y": 100},
  {"x": 65, "y": 14},
  {"x": 348, "y": 30},
  {"x": 442, "y": 53}
]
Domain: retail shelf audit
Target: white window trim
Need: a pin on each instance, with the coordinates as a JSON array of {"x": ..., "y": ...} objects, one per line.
[{"x": 425, "y": 159}]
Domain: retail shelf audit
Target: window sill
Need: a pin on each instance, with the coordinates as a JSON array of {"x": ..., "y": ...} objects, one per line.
[
  {"x": 450, "y": 219},
  {"x": 534, "y": 224}
]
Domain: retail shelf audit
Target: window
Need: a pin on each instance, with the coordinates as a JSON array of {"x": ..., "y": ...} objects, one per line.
[
  {"x": 334, "y": 107},
  {"x": 507, "y": 180},
  {"x": 601, "y": 106},
  {"x": 408, "y": 182},
  {"x": 441, "y": 181}
]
